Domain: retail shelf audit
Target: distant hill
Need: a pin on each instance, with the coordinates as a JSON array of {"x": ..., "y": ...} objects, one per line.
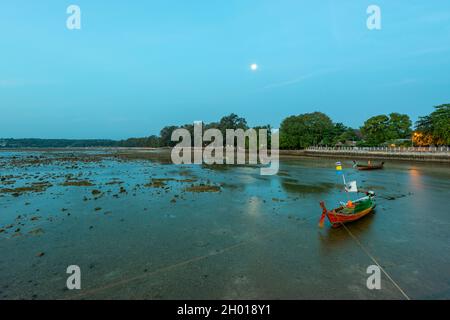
[{"x": 56, "y": 143}]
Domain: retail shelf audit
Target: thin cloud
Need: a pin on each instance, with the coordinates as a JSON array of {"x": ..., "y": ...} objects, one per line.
[
  {"x": 11, "y": 83},
  {"x": 436, "y": 17},
  {"x": 300, "y": 79},
  {"x": 430, "y": 51},
  {"x": 402, "y": 82}
]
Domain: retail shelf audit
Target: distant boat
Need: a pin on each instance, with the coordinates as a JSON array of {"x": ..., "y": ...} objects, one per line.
[
  {"x": 368, "y": 166},
  {"x": 348, "y": 212}
]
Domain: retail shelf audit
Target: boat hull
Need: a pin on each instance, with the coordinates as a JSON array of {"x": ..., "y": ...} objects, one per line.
[
  {"x": 368, "y": 166},
  {"x": 337, "y": 219},
  {"x": 338, "y": 216},
  {"x": 359, "y": 167}
]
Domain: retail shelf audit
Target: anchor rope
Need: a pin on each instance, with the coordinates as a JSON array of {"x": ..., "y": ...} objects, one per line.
[{"x": 375, "y": 261}]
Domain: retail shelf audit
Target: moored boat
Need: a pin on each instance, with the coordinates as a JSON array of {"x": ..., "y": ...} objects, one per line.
[
  {"x": 348, "y": 212},
  {"x": 368, "y": 166}
]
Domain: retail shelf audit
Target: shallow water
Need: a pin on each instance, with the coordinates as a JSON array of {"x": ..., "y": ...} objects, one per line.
[{"x": 255, "y": 238}]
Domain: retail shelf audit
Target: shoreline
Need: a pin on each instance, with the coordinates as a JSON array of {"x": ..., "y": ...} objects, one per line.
[{"x": 435, "y": 157}]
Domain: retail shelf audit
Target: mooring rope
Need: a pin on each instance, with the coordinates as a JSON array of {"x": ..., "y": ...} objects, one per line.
[{"x": 375, "y": 261}]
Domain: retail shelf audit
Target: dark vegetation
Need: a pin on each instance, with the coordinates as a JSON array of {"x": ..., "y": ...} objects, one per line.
[
  {"x": 55, "y": 143},
  {"x": 296, "y": 132}
]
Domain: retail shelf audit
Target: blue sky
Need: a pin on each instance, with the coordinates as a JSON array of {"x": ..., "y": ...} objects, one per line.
[{"x": 137, "y": 66}]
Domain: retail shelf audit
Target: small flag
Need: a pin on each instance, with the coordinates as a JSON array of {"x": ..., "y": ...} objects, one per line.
[
  {"x": 339, "y": 167},
  {"x": 351, "y": 187}
]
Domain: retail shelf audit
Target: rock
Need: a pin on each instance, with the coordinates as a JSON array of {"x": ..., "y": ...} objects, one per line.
[
  {"x": 36, "y": 232},
  {"x": 82, "y": 183}
]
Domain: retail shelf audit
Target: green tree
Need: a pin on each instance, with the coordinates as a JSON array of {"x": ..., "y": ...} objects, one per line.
[
  {"x": 376, "y": 130},
  {"x": 382, "y": 128},
  {"x": 153, "y": 141},
  {"x": 232, "y": 121},
  {"x": 305, "y": 130},
  {"x": 349, "y": 134},
  {"x": 436, "y": 125},
  {"x": 399, "y": 126},
  {"x": 211, "y": 125},
  {"x": 166, "y": 136},
  {"x": 337, "y": 133}
]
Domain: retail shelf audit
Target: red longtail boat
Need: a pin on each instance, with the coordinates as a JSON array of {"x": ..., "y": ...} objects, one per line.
[{"x": 351, "y": 211}]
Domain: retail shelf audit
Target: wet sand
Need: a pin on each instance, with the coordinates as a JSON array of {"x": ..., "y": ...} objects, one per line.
[{"x": 141, "y": 227}]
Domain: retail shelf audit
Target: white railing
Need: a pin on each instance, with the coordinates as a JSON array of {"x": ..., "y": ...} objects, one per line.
[{"x": 440, "y": 149}]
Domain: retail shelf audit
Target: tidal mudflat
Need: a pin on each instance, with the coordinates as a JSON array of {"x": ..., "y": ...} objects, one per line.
[{"x": 141, "y": 227}]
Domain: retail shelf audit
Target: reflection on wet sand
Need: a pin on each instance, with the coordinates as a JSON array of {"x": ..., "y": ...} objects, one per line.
[
  {"x": 334, "y": 237},
  {"x": 294, "y": 186}
]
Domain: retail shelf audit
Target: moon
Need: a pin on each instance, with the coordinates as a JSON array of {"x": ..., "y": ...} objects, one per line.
[{"x": 254, "y": 67}]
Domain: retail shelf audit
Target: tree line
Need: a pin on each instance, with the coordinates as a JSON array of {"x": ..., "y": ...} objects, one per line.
[
  {"x": 231, "y": 121},
  {"x": 317, "y": 129},
  {"x": 296, "y": 132},
  {"x": 55, "y": 143}
]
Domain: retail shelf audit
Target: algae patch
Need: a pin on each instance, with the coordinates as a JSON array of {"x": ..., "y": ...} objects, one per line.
[
  {"x": 77, "y": 183},
  {"x": 202, "y": 188}
]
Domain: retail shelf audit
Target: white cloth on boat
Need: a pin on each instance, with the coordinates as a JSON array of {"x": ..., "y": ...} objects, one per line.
[{"x": 351, "y": 187}]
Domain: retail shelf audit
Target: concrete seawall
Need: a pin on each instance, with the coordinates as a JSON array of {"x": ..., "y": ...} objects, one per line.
[{"x": 429, "y": 156}]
